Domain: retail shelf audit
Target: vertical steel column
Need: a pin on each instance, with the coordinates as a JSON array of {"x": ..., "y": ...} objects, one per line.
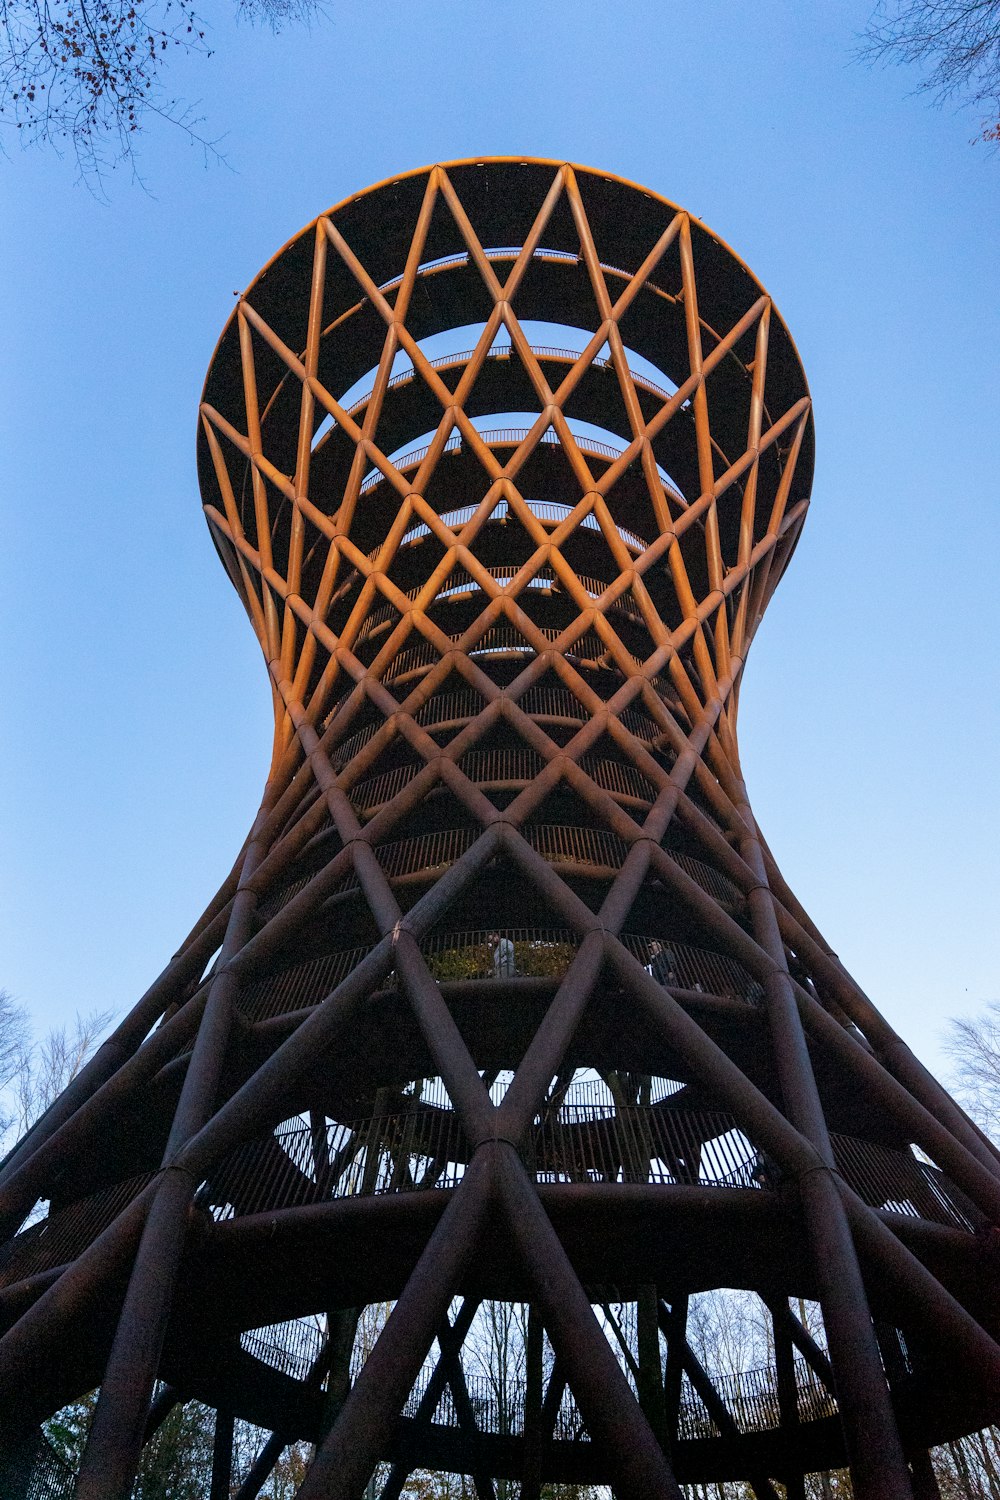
[
  {"x": 342, "y": 1327},
  {"x": 222, "y": 1455},
  {"x": 878, "y": 1464},
  {"x": 673, "y": 1321},
  {"x": 650, "y": 1368},
  {"x": 788, "y": 1405},
  {"x": 531, "y": 1482},
  {"x": 925, "y": 1485}
]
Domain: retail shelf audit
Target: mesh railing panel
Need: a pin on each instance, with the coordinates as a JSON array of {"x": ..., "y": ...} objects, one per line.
[
  {"x": 425, "y": 1148},
  {"x": 292, "y": 1348},
  {"x": 899, "y": 1182},
  {"x": 549, "y": 512},
  {"x": 460, "y": 584},
  {"x": 537, "y": 952},
  {"x": 751, "y": 1398},
  {"x": 58, "y": 1239},
  {"x": 52, "y": 1478},
  {"x": 494, "y": 437},
  {"x": 503, "y": 351}
]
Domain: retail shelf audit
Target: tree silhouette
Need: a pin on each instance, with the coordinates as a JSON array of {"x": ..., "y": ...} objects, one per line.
[
  {"x": 86, "y": 75},
  {"x": 960, "y": 39}
]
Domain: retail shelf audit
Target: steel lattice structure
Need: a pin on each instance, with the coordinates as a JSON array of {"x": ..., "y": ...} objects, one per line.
[{"x": 505, "y": 999}]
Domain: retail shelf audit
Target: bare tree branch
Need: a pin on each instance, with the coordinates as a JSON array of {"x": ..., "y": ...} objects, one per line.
[
  {"x": 959, "y": 39},
  {"x": 14, "y": 1033},
  {"x": 32, "y": 1075},
  {"x": 86, "y": 74},
  {"x": 973, "y": 1044}
]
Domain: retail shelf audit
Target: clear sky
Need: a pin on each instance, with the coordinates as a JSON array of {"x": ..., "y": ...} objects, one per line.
[{"x": 136, "y": 721}]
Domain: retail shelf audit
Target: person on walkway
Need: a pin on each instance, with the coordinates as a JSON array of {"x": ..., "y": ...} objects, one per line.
[
  {"x": 661, "y": 963},
  {"x": 502, "y": 949}
]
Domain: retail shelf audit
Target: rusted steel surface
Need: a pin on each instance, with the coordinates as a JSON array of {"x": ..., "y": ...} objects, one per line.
[{"x": 504, "y": 981}]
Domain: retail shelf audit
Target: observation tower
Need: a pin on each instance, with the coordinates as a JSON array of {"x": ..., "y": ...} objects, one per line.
[{"x": 505, "y": 1017}]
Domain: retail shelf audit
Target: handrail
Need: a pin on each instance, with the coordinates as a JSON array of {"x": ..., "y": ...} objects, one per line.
[
  {"x": 292, "y": 1347},
  {"x": 750, "y": 1396},
  {"x": 515, "y": 766},
  {"x": 546, "y": 511},
  {"x": 596, "y": 1092},
  {"x": 496, "y": 437},
  {"x": 538, "y": 952},
  {"x": 540, "y": 703},
  {"x": 461, "y": 583},
  {"x": 558, "y": 843},
  {"x": 52, "y": 1478},
  {"x": 507, "y": 252},
  {"x": 500, "y": 640},
  {"x": 503, "y": 351},
  {"x": 54, "y": 1240},
  {"x": 461, "y": 258},
  {"x": 424, "y": 1148}
]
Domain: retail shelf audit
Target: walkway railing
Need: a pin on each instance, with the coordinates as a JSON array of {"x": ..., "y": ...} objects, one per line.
[
  {"x": 511, "y": 252},
  {"x": 499, "y": 640},
  {"x": 495, "y": 437},
  {"x": 300, "y": 987},
  {"x": 751, "y": 1399},
  {"x": 52, "y": 1478},
  {"x": 292, "y": 1348},
  {"x": 538, "y": 952},
  {"x": 426, "y": 854},
  {"x": 63, "y": 1234},
  {"x": 515, "y": 767},
  {"x": 497, "y": 1412},
  {"x": 542, "y": 703},
  {"x": 424, "y": 1148},
  {"x": 640, "y": 1145},
  {"x": 750, "y": 1396},
  {"x": 901, "y": 1182},
  {"x": 460, "y": 584},
  {"x": 503, "y": 352},
  {"x": 549, "y": 512},
  {"x": 292, "y": 1168}
]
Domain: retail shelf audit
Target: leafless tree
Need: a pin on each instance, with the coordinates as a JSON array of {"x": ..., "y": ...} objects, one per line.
[
  {"x": 969, "y": 1470},
  {"x": 957, "y": 40},
  {"x": 85, "y": 75},
  {"x": 32, "y": 1074},
  {"x": 14, "y": 1033},
  {"x": 973, "y": 1044}
]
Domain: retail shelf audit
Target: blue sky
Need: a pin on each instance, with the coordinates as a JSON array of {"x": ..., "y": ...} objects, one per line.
[{"x": 136, "y": 731}]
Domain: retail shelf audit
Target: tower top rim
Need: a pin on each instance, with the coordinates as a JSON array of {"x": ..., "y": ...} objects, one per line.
[
  {"x": 699, "y": 227},
  {"x": 592, "y": 250}
]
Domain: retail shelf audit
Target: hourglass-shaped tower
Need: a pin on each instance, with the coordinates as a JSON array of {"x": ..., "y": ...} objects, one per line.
[{"x": 505, "y": 1018}]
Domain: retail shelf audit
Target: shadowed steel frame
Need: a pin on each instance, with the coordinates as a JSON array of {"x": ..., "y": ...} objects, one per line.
[{"x": 505, "y": 662}]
